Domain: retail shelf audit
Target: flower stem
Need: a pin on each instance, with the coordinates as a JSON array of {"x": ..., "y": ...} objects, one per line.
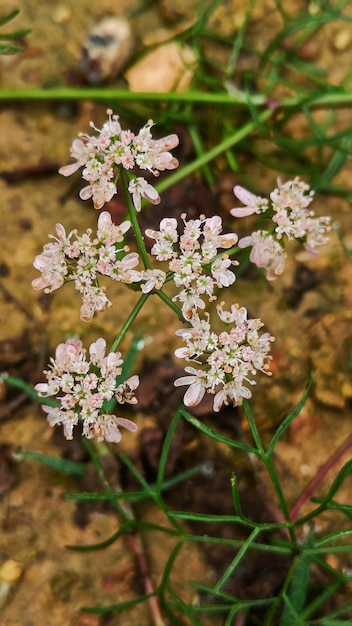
[
  {"x": 28, "y": 389},
  {"x": 280, "y": 496},
  {"x": 132, "y": 316},
  {"x": 135, "y": 224},
  {"x": 208, "y": 156},
  {"x": 270, "y": 468},
  {"x": 337, "y": 99},
  {"x": 171, "y": 304}
]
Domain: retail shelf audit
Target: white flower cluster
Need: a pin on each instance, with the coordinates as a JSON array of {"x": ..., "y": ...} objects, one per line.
[
  {"x": 84, "y": 259},
  {"x": 223, "y": 364},
  {"x": 227, "y": 361},
  {"x": 104, "y": 155},
  {"x": 85, "y": 387},
  {"x": 289, "y": 211},
  {"x": 191, "y": 258}
]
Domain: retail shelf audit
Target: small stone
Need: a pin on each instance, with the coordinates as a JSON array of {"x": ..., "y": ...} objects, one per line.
[
  {"x": 347, "y": 390},
  {"x": 61, "y": 14},
  {"x": 342, "y": 39},
  {"x": 107, "y": 49},
  {"x": 330, "y": 398},
  {"x": 314, "y": 7},
  {"x": 10, "y": 572},
  {"x": 165, "y": 69},
  {"x": 306, "y": 470}
]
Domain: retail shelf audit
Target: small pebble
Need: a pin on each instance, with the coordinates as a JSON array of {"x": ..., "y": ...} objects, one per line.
[
  {"x": 342, "y": 39},
  {"x": 61, "y": 14},
  {"x": 347, "y": 390},
  {"x": 10, "y": 573},
  {"x": 167, "y": 68}
]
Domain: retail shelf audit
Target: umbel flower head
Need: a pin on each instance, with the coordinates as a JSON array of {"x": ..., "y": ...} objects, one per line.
[
  {"x": 291, "y": 217},
  {"x": 223, "y": 364},
  {"x": 191, "y": 256},
  {"x": 83, "y": 259},
  {"x": 83, "y": 387},
  {"x": 102, "y": 158}
]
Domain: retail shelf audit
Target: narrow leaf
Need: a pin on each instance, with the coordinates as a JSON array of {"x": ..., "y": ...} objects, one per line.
[
  {"x": 61, "y": 465},
  {"x": 289, "y": 419},
  {"x": 9, "y": 17},
  {"x": 297, "y": 593}
]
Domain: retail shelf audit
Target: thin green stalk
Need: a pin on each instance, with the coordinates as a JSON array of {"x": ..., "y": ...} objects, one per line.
[
  {"x": 204, "y": 428},
  {"x": 130, "y": 319},
  {"x": 199, "y": 150},
  {"x": 337, "y": 99},
  {"x": 280, "y": 496},
  {"x": 253, "y": 428},
  {"x": 109, "y": 95},
  {"x": 135, "y": 224},
  {"x": 240, "y": 554},
  {"x": 269, "y": 618},
  {"x": 208, "y": 156},
  {"x": 29, "y": 390},
  {"x": 271, "y": 470},
  {"x": 171, "y": 304},
  {"x": 169, "y": 565},
  {"x": 239, "y": 42},
  {"x": 96, "y": 450},
  {"x": 154, "y": 493}
]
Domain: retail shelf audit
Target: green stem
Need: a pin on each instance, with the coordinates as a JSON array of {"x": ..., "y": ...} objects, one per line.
[
  {"x": 135, "y": 224},
  {"x": 132, "y": 316},
  {"x": 199, "y": 151},
  {"x": 280, "y": 496},
  {"x": 253, "y": 428},
  {"x": 271, "y": 469},
  {"x": 29, "y": 390},
  {"x": 171, "y": 304},
  {"x": 337, "y": 99},
  {"x": 205, "y": 158},
  {"x": 240, "y": 554},
  {"x": 108, "y": 95}
]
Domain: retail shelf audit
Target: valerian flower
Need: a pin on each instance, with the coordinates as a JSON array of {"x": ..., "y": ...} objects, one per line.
[
  {"x": 102, "y": 158},
  {"x": 82, "y": 387},
  {"x": 288, "y": 210},
  {"x": 223, "y": 364}
]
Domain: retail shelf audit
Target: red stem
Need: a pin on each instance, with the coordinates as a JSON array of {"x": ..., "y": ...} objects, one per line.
[
  {"x": 136, "y": 545},
  {"x": 319, "y": 477}
]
